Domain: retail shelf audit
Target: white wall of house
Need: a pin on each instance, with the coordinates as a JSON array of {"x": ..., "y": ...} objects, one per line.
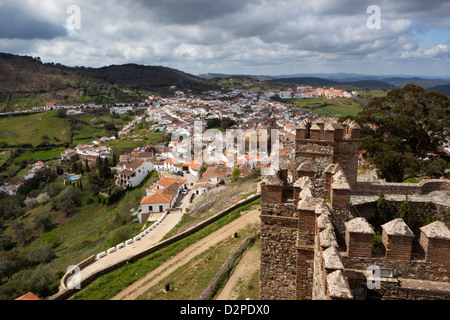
[
  {"x": 155, "y": 207},
  {"x": 285, "y": 94},
  {"x": 194, "y": 172},
  {"x": 141, "y": 173},
  {"x": 200, "y": 191}
]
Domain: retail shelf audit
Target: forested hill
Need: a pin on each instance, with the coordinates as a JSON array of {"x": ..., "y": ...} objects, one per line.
[{"x": 23, "y": 73}]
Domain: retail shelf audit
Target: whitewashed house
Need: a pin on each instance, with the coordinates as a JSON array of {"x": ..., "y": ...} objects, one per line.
[{"x": 132, "y": 173}]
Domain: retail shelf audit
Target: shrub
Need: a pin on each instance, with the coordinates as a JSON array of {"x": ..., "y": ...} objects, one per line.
[
  {"x": 42, "y": 255},
  {"x": 120, "y": 235}
]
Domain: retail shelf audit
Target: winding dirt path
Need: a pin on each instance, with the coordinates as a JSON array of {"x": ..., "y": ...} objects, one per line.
[
  {"x": 248, "y": 265},
  {"x": 140, "y": 286}
]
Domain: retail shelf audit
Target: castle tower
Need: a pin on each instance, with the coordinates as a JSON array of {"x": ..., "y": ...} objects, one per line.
[{"x": 324, "y": 145}]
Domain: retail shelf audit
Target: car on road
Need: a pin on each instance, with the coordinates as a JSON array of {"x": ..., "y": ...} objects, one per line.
[
  {"x": 184, "y": 192},
  {"x": 179, "y": 173}
]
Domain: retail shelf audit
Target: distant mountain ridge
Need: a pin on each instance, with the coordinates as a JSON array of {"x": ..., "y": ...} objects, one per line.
[{"x": 443, "y": 88}]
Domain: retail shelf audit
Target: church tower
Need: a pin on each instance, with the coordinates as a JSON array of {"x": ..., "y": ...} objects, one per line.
[{"x": 272, "y": 126}]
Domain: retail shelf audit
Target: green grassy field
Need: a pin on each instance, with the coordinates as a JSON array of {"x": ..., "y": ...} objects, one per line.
[
  {"x": 44, "y": 155},
  {"x": 135, "y": 140},
  {"x": 3, "y": 158},
  {"x": 31, "y": 128},
  {"x": 190, "y": 280},
  {"x": 339, "y": 107}
]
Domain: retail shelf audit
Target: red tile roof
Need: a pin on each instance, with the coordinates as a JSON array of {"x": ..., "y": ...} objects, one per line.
[
  {"x": 28, "y": 296},
  {"x": 157, "y": 198}
]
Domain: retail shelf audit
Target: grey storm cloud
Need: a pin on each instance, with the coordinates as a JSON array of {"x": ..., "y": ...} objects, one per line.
[
  {"x": 193, "y": 11},
  {"x": 18, "y": 22},
  {"x": 225, "y": 34}
]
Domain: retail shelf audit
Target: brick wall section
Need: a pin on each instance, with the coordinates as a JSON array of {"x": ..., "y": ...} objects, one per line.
[
  {"x": 305, "y": 272},
  {"x": 271, "y": 194},
  {"x": 346, "y": 155},
  {"x": 397, "y": 239},
  {"x": 359, "y": 244},
  {"x": 397, "y": 247},
  {"x": 278, "y": 258},
  {"x": 412, "y": 269},
  {"x": 436, "y": 250},
  {"x": 340, "y": 198},
  {"x": 435, "y": 242}
]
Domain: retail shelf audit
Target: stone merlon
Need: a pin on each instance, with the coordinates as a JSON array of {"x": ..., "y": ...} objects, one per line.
[
  {"x": 359, "y": 225},
  {"x": 328, "y": 238},
  {"x": 340, "y": 181},
  {"x": 272, "y": 180},
  {"x": 306, "y": 193},
  {"x": 329, "y": 127},
  {"x": 338, "y": 287},
  {"x": 436, "y": 230},
  {"x": 308, "y": 204},
  {"x": 307, "y": 166},
  {"x": 324, "y": 222},
  {"x": 322, "y": 208},
  {"x": 303, "y": 182},
  {"x": 332, "y": 259},
  {"x": 397, "y": 227}
]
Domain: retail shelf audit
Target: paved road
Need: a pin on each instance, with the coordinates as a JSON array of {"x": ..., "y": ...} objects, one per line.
[{"x": 152, "y": 238}]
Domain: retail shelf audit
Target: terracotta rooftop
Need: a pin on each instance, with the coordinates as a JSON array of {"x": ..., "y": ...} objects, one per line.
[
  {"x": 167, "y": 181},
  {"x": 28, "y": 296},
  {"x": 157, "y": 198}
]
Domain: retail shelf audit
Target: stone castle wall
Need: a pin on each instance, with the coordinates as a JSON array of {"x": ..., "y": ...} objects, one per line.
[{"x": 309, "y": 244}]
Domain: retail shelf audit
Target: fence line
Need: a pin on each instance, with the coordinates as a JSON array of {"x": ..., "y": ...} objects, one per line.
[{"x": 226, "y": 268}]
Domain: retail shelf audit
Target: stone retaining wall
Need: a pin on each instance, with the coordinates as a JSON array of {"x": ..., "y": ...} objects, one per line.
[{"x": 422, "y": 187}]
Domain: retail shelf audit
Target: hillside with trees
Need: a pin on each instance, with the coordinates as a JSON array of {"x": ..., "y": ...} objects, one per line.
[{"x": 26, "y": 82}]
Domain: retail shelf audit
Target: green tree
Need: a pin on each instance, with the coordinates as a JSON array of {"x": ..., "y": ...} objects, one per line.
[
  {"x": 43, "y": 221},
  {"x": 69, "y": 199},
  {"x": 402, "y": 128},
  {"x": 42, "y": 255},
  {"x": 120, "y": 235},
  {"x": 21, "y": 231},
  {"x": 201, "y": 171},
  {"x": 381, "y": 210},
  {"x": 236, "y": 174},
  {"x": 61, "y": 113},
  {"x": 405, "y": 212},
  {"x": 435, "y": 168}
]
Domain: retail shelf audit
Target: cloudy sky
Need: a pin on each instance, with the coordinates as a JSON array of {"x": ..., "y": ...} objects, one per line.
[{"x": 269, "y": 37}]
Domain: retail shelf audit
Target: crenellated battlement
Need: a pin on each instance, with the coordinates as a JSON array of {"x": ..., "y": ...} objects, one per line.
[
  {"x": 314, "y": 247},
  {"x": 333, "y": 132}
]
